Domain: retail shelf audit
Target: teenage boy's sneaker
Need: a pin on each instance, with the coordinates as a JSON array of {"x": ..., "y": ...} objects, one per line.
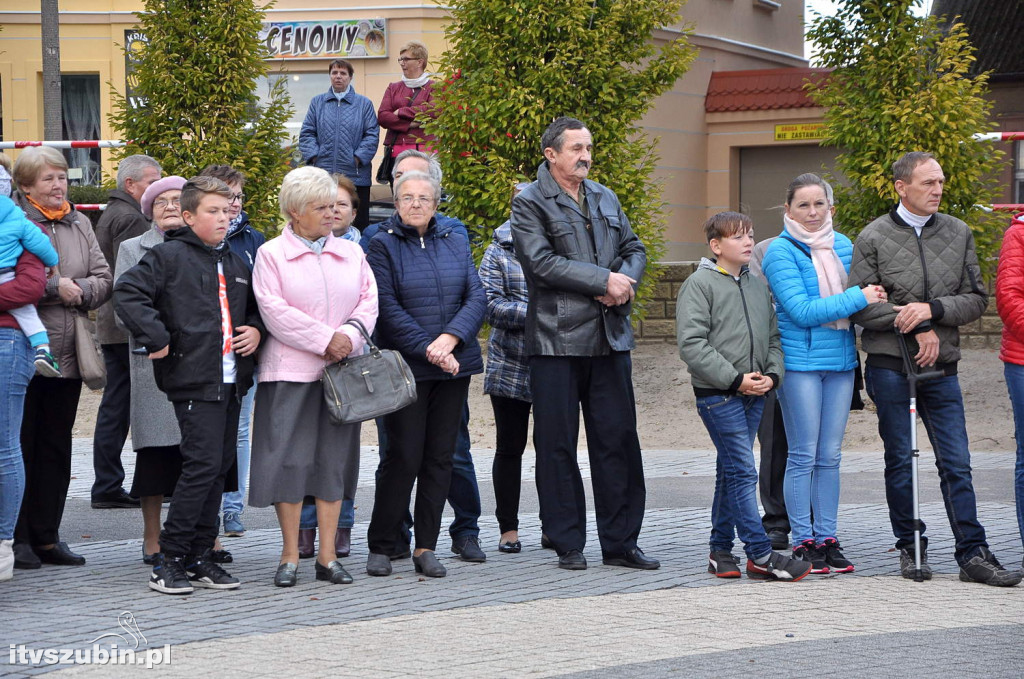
[
  {"x": 983, "y": 567},
  {"x": 907, "y": 563},
  {"x": 723, "y": 564},
  {"x": 203, "y": 572},
  {"x": 778, "y": 567},
  {"x": 809, "y": 552},
  {"x": 233, "y": 527},
  {"x": 834, "y": 556},
  {"x": 169, "y": 575},
  {"x": 46, "y": 364}
]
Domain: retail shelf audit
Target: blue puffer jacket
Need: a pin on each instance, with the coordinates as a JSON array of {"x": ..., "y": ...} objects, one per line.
[
  {"x": 443, "y": 221},
  {"x": 427, "y": 286},
  {"x": 806, "y": 342},
  {"x": 336, "y": 132},
  {"x": 246, "y": 240}
]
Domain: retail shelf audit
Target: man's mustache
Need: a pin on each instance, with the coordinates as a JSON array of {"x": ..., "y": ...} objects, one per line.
[{"x": 582, "y": 164}]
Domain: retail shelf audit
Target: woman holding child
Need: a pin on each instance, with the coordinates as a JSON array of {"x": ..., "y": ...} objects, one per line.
[
  {"x": 309, "y": 284},
  {"x": 807, "y": 268}
]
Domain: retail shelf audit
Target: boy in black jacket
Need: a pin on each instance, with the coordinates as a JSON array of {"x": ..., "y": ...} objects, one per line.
[{"x": 190, "y": 303}]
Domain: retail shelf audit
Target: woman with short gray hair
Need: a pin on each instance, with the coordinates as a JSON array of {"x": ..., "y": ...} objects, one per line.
[{"x": 309, "y": 284}]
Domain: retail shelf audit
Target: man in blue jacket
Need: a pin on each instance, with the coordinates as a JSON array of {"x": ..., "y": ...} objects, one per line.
[{"x": 340, "y": 134}]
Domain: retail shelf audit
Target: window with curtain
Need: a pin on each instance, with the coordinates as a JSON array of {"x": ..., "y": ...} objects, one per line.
[{"x": 80, "y": 104}]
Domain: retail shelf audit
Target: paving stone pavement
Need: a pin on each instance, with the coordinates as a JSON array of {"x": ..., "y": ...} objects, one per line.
[{"x": 519, "y": 614}]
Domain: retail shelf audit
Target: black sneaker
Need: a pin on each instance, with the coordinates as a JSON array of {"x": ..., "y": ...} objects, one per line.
[
  {"x": 46, "y": 364},
  {"x": 468, "y": 549},
  {"x": 985, "y": 568},
  {"x": 907, "y": 563},
  {"x": 203, "y": 572},
  {"x": 169, "y": 575},
  {"x": 779, "y": 567},
  {"x": 834, "y": 556},
  {"x": 723, "y": 564},
  {"x": 809, "y": 552}
]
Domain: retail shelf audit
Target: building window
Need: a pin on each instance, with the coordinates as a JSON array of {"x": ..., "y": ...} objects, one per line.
[
  {"x": 302, "y": 87},
  {"x": 80, "y": 108},
  {"x": 1018, "y": 172}
]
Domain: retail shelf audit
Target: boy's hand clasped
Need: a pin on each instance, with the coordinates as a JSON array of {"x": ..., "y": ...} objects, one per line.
[{"x": 756, "y": 384}]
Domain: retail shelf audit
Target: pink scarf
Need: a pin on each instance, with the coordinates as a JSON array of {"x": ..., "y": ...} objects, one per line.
[{"x": 832, "y": 277}]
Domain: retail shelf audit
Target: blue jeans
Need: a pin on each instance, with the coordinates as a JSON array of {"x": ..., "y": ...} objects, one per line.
[
  {"x": 815, "y": 407},
  {"x": 1015, "y": 385},
  {"x": 941, "y": 406},
  {"x": 16, "y": 358},
  {"x": 732, "y": 423},
  {"x": 234, "y": 501},
  {"x": 347, "y": 519}
]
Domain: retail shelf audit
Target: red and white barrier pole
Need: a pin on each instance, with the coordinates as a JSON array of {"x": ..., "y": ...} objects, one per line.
[
  {"x": 79, "y": 144},
  {"x": 999, "y": 136}
]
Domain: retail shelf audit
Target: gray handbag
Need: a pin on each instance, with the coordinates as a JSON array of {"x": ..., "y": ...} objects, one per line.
[{"x": 366, "y": 386}]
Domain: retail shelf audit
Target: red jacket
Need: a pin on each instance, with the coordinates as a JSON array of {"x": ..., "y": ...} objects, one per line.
[
  {"x": 28, "y": 287},
  {"x": 1010, "y": 292},
  {"x": 395, "y": 113}
]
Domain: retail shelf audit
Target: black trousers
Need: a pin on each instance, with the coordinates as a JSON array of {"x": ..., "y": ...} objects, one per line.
[
  {"x": 603, "y": 387},
  {"x": 511, "y": 427},
  {"x": 774, "y": 453},
  {"x": 209, "y": 440},
  {"x": 112, "y": 421},
  {"x": 51, "y": 405},
  {"x": 420, "y": 442},
  {"x": 363, "y": 211}
]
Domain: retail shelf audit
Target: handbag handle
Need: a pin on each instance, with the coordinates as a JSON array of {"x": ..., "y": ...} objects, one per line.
[{"x": 358, "y": 325}]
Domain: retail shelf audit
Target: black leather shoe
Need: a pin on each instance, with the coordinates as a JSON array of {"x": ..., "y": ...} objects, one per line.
[
  {"x": 221, "y": 556},
  {"x": 378, "y": 565},
  {"x": 468, "y": 549},
  {"x": 25, "y": 559},
  {"x": 510, "y": 547},
  {"x": 573, "y": 560},
  {"x": 343, "y": 542},
  {"x": 118, "y": 500},
  {"x": 545, "y": 542},
  {"x": 334, "y": 573},
  {"x": 59, "y": 555},
  {"x": 780, "y": 540},
  {"x": 634, "y": 558},
  {"x": 428, "y": 564},
  {"x": 307, "y": 536},
  {"x": 148, "y": 559},
  {"x": 286, "y": 575}
]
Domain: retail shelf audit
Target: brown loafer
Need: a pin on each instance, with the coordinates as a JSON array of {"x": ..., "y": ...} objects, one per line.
[
  {"x": 343, "y": 542},
  {"x": 307, "y": 536}
]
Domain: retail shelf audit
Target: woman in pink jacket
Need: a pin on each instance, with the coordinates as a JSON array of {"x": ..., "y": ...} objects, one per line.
[
  {"x": 308, "y": 284},
  {"x": 405, "y": 99}
]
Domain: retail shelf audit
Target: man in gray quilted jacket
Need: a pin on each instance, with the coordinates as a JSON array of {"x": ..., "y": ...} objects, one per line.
[{"x": 926, "y": 262}]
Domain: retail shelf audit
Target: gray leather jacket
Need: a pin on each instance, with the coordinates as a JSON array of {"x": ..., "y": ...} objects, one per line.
[{"x": 566, "y": 267}]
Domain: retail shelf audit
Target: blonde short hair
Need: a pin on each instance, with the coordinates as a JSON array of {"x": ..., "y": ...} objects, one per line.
[
  {"x": 416, "y": 50},
  {"x": 5, "y": 160},
  {"x": 304, "y": 186},
  {"x": 32, "y": 161}
]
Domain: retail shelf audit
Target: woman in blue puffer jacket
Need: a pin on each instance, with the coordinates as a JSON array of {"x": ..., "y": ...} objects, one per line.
[
  {"x": 431, "y": 308},
  {"x": 807, "y": 268}
]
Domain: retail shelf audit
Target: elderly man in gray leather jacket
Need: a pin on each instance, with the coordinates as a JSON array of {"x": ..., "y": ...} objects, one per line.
[{"x": 582, "y": 263}]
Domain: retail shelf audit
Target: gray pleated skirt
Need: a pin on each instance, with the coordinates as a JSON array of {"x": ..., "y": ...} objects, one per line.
[{"x": 297, "y": 450}]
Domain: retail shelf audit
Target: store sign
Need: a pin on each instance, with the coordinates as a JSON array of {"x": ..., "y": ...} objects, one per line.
[
  {"x": 135, "y": 43},
  {"x": 342, "y": 39},
  {"x": 799, "y": 132}
]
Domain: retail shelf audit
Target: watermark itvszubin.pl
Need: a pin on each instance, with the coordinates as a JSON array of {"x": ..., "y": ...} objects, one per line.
[{"x": 111, "y": 653}]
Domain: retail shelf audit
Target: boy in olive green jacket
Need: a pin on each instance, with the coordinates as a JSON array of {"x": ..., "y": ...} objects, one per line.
[{"x": 729, "y": 339}]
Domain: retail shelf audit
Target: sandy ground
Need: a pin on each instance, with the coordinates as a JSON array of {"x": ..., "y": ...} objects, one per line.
[{"x": 668, "y": 420}]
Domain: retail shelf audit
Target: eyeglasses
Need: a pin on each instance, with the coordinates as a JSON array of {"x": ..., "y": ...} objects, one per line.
[
  {"x": 237, "y": 197},
  {"x": 402, "y": 60},
  {"x": 416, "y": 200},
  {"x": 163, "y": 203}
]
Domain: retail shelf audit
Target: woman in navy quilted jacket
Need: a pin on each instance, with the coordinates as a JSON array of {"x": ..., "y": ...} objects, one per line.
[
  {"x": 431, "y": 308},
  {"x": 807, "y": 268}
]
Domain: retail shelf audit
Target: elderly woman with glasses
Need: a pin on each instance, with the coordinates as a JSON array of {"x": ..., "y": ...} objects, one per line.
[
  {"x": 309, "y": 285},
  {"x": 405, "y": 100},
  {"x": 431, "y": 308}
]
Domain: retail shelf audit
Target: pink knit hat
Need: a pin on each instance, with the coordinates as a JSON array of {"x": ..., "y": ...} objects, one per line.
[{"x": 156, "y": 188}]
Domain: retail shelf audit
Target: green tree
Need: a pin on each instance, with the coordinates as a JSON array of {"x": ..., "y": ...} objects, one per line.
[
  {"x": 513, "y": 67},
  {"x": 903, "y": 83},
  {"x": 198, "y": 78}
]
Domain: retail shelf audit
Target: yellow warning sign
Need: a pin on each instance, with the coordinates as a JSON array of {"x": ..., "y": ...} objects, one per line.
[{"x": 799, "y": 131}]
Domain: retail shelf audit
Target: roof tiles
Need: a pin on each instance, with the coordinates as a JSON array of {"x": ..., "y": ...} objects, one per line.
[{"x": 761, "y": 90}]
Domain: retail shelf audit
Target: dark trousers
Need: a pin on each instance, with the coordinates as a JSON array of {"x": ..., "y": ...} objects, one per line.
[
  {"x": 603, "y": 386},
  {"x": 111, "y": 423},
  {"x": 774, "y": 453},
  {"x": 51, "y": 405},
  {"x": 511, "y": 427},
  {"x": 420, "y": 442},
  {"x": 363, "y": 211},
  {"x": 209, "y": 437}
]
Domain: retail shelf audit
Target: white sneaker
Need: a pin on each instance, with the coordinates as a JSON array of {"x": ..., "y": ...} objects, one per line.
[{"x": 6, "y": 559}]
